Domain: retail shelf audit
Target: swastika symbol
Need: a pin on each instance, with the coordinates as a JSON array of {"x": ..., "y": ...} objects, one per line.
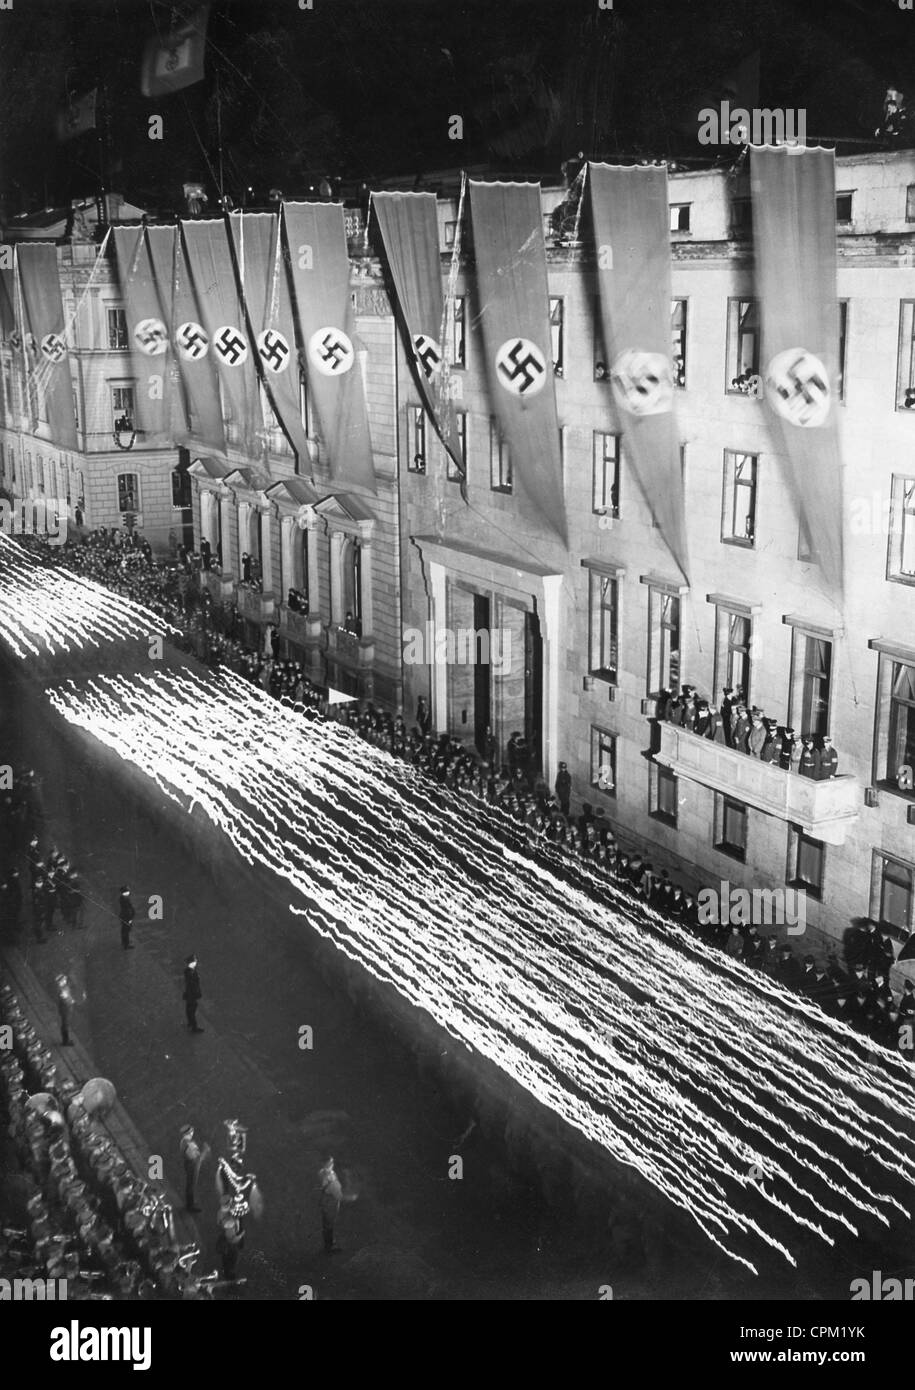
[
  {"x": 428, "y": 354},
  {"x": 16, "y": 339},
  {"x": 521, "y": 367},
  {"x": 231, "y": 345},
  {"x": 643, "y": 382},
  {"x": 151, "y": 337},
  {"x": 53, "y": 347},
  {"x": 797, "y": 386},
  {"x": 274, "y": 350},
  {"x": 192, "y": 342},
  {"x": 331, "y": 351}
]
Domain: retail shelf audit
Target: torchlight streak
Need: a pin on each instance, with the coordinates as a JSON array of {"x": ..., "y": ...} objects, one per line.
[
  {"x": 691, "y": 1089},
  {"x": 48, "y": 611}
]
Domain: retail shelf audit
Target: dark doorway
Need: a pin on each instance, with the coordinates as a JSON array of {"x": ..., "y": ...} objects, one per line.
[
  {"x": 482, "y": 675},
  {"x": 533, "y": 689}
]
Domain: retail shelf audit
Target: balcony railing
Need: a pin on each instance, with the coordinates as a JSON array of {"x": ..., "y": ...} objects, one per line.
[
  {"x": 350, "y": 649},
  {"x": 824, "y": 809},
  {"x": 257, "y": 607},
  {"x": 300, "y": 627}
]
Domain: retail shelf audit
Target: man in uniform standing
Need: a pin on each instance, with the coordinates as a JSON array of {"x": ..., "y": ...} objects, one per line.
[
  {"x": 564, "y": 788},
  {"x": 192, "y": 1158},
  {"x": 331, "y": 1197}
]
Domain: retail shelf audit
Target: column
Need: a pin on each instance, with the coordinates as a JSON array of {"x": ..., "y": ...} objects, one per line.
[
  {"x": 267, "y": 551},
  {"x": 438, "y": 589},
  {"x": 287, "y": 533},
  {"x": 242, "y": 533},
  {"x": 366, "y": 595},
  {"x": 336, "y": 596},
  {"x": 225, "y": 507},
  {"x": 550, "y": 634}
]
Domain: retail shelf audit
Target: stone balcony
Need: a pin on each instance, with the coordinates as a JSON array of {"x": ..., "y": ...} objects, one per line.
[
  {"x": 824, "y": 810},
  {"x": 303, "y": 628},
  {"x": 255, "y": 606},
  {"x": 219, "y": 586},
  {"x": 349, "y": 649}
]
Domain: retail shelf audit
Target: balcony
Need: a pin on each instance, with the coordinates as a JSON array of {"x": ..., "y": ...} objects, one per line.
[
  {"x": 824, "y": 810},
  {"x": 302, "y": 628},
  {"x": 219, "y": 586},
  {"x": 349, "y": 649},
  {"x": 255, "y": 606}
]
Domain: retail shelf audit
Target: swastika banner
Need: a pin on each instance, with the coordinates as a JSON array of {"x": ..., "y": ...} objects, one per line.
[
  {"x": 793, "y": 189},
  {"x": 196, "y": 413},
  {"x": 265, "y": 290},
  {"x": 223, "y": 319},
  {"x": 514, "y": 317},
  {"x": 320, "y": 271},
  {"x": 630, "y": 213},
  {"x": 10, "y": 332},
  {"x": 148, "y": 335},
  {"x": 409, "y": 231},
  {"x": 47, "y": 358}
]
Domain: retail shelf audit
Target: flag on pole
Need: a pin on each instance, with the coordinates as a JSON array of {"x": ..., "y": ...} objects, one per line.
[
  {"x": 78, "y": 117},
  {"x": 174, "y": 60}
]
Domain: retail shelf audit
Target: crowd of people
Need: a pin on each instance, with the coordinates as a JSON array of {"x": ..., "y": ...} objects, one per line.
[{"x": 751, "y": 731}]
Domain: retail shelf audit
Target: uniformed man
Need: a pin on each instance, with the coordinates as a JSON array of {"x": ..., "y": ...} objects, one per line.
[
  {"x": 757, "y": 737},
  {"x": 715, "y": 729},
  {"x": 65, "y": 1003},
  {"x": 193, "y": 1157},
  {"x": 564, "y": 788},
  {"x": 772, "y": 748},
  {"x": 332, "y": 1195},
  {"x": 809, "y": 762},
  {"x": 741, "y": 729},
  {"x": 828, "y": 764}
]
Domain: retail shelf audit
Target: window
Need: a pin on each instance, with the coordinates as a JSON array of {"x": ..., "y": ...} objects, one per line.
[
  {"x": 556, "y": 334},
  {"x": 416, "y": 439},
  {"x": 806, "y": 862},
  {"x": 678, "y": 340},
  {"x": 743, "y": 346},
  {"x": 450, "y": 232},
  {"x": 741, "y": 216},
  {"x": 910, "y": 203},
  {"x": 40, "y": 473},
  {"x": 75, "y": 408},
  {"x": 843, "y": 346},
  {"x": 603, "y": 648},
  {"x": 730, "y": 827},
  {"x": 117, "y": 329},
  {"x": 459, "y": 340},
  {"x": 900, "y": 563},
  {"x": 902, "y": 720},
  {"x": 811, "y": 677},
  {"x": 181, "y": 488},
  {"x": 905, "y": 368},
  {"x": 603, "y": 761},
  {"x": 500, "y": 468},
  {"x": 122, "y": 402},
  {"x": 894, "y": 741},
  {"x": 663, "y": 641},
  {"x": 460, "y": 424},
  {"x": 738, "y": 509},
  {"x": 679, "y": 217},
  {"x": 843, "y": 206},
  {"x": 733, "y": 649},
  {"x": 662, "y": 794},
  {"x": 606, "y": 475},
  {"x": 893, "y": 894},
  {"x": 128, "y": 493}
]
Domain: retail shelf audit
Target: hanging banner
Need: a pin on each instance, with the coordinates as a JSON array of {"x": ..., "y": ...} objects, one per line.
[
  {"x": 320, "y": 269},
  {"x": 514, "y": 316},
  {"x": 409, "y": 231},
  {"x": 265, "y": 292},
  {"x": 174, "y": 58},
  {"x": 199, "y": 420},
  {"x": 631, "y": 219},
  {"x": 209, "y": 255},
  {"x": 8, "y": 330},
  {"x": 147, "y": 334},
  {"x": 47, "y": 356},
  {"x": 793, "y": 190}
]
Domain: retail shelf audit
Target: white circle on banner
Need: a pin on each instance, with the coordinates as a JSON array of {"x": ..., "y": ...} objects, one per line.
[
  {"x": 274, "y": 350},
  {"x": 53, "y": 347},
  {"x": 230, "y": 345},
  {"x": 643, "y": 382},
  {"x": 521, "y": 367},
  {"x": 151, "y": 337},
  {"x": 428, "y": 354},
  {"x": 331, "y": 351},
  {"x": 192, "y": 341},
  {"x": 797, "y": 386}
]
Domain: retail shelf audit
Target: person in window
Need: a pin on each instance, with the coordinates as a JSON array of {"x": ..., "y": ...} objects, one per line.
[
  {"x": 351, "y": 624},
  {"x": 246, "y": 568},
  {"x": 206, "y": 554}
]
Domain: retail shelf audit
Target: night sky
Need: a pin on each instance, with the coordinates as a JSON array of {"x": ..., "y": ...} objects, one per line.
[{"x": 363, "y": 89}]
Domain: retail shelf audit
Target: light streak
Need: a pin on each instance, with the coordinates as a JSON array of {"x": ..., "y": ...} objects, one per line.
[
  {"x": 45, "y": 612},
  {"x": 680, "y": 1063}
]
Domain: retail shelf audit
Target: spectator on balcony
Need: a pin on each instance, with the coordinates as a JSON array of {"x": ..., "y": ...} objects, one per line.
[
  {"x": 246, "y": 568},
  {"x": 795, "y": 753},
  {"x": 352, "y": 624},
  {"x": 828, "y": 761},
  {"x": 772, "y": 748},
  {"x": 206, "y": 553},
  {"x": 741, "y": 728},
  {"x": 809, "y": 762},
  {"x": 756, "y": 738}
]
